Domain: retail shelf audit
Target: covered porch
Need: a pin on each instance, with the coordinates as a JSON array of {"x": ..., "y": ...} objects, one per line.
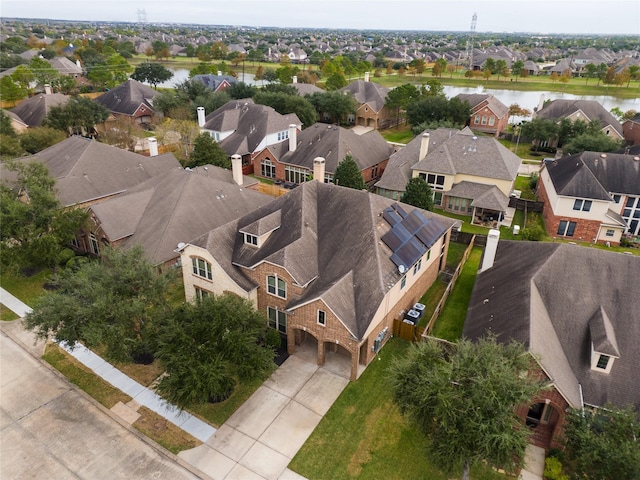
[{"x": 485, "y": 204}]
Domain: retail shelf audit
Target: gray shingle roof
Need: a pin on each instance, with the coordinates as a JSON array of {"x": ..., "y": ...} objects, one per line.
[
  {"x": 495, "y": 105},
  {"x": 594, "y": 175},
  {"x": 127, "y": 97},
  {"x": 33, "y": 110},
  {"x": 464, "y": 153},
  {"x": 593, "y": 110},
  {"x": 370, "y": 93},
  {"x": 88, "y": 170},
  {"x": 212, "y": 82},
  {"x": 545, "y": 295},
  {"x": 329, "y": 239},
  {"x": 175, "y": 207},
  {"x": 333, "y": 143},
  {"x": 483, "y": 196}
]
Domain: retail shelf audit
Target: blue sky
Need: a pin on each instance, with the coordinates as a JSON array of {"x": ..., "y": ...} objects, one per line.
[{"x": 559, "y": 16}]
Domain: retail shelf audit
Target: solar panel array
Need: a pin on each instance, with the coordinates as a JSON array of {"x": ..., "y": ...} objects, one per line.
[{"x": 411, "y": 235}]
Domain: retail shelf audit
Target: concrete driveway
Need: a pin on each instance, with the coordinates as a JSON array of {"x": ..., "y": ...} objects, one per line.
[
  {"x": 263, "y": 435},
  {"x": 48, "y": 429}
]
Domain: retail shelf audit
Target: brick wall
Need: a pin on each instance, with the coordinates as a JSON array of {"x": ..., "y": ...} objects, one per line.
[{"x": 547, "y": 435}]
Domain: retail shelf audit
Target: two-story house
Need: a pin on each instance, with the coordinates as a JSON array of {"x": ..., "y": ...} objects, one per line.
[
  {"x": 329, "y": 266},
  {"x": 372, "y": 99},
  {"x": 292, "y": 160},
  {"x": 488, "y": 114},
  {"x": 591, "y": 196},
  {"x": 131, "y": 100},
  {"x": 244, "y": 128}
]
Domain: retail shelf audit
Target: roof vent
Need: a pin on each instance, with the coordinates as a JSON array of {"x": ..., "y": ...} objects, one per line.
[
  {"x": 181, "y": 245},
  {"x": 637, "y": 159},
  {"x": 402, "y": 269},
  {"x": 603, "y": 155}
]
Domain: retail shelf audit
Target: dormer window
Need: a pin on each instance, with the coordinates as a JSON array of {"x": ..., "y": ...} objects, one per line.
[
  {"x": 250, "y": 239},
  {"x": 603, "y": 362},
  {"x": 604, "y": 346}
]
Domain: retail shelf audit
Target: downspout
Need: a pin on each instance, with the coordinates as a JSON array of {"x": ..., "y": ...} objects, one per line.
[{"x": 581, "y": 398}]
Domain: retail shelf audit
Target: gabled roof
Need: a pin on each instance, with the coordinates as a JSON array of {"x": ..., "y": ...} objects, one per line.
[
  {"x": 175, "y": 207},
  {"x": 87, "y": 170},
  {"x": 329, "y": 240},
  {"x": 33, "y": 110},
  {"x": 306, "y": 88},
  {"x": 476, "y": 99},
  {"x": 593, "y": 175},
  {"x": 127, "y": 97},
  {"x": 592, "y": 110},
  {"x": 370, "y": 93},
  {"x": 64, "y": 66},
  {"x": 464, "y": 153},
  {"x": 334, "y": 143},
  {"x": 398, "y": 172},
  {"x": 14, "y": 118},
  {"x": 483, "y": 196},
  {"x": 213, "y": 82},
  {"x": 250, "y": 124},
  {"x": 546, "y": 296}
]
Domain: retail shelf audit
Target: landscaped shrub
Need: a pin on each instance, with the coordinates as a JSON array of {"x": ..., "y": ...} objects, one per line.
[
  {"x": 533, "y": 181},
  {"x": 534, "y": 233},
  {"x": 553, "y": 469}
]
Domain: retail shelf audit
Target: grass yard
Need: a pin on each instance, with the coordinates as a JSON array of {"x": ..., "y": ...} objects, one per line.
[
  {"x": 522, "y": 184},
  {"x": 164, "y": 432},
  {"x": 402, "y": 134},
  {"x": 7, "y": 315},
  {"x": 467, "y": 227},
  {"x": 364, "y": 435},
  {"x": 450, "y": 322},
  {"x": 27, "y": 289}
]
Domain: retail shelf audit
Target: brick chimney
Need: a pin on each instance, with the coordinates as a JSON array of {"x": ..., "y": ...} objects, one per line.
[
  {"x": 293, "y": 138},
  {"x": 424, "y": 146},
  {"x": 201, "y": 117},
  {"x": 366, "y": 76},
  {"x": 153, "y": 146},
  {"x": 318, "y": 169},
  {"x": 236, "y": 168},
  {"x": 490, "y": 250}
]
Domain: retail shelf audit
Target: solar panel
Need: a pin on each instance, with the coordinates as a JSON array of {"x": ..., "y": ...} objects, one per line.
[
  {"x": 430, "y": 232},
  {"x": 408, "y": 253},
  {"x": 400, "y": 210},
  {"x": 391, "y": 216},
  {"x": 414, "y": 221}
]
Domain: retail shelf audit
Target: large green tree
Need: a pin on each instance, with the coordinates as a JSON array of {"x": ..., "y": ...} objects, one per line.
[
  {"x": 153, "y": 73},
  {"x": 334, "y": 104},
  {"x": 78, "y": 115},
  {"x": 348, "y": 174},
  {"x": 418, "y": 193},
  {"x": 34, "y": 140},
  {"x": 399, "y": 97},
  {"x": 594, "y": 142},
  {"x": 208, "y": 346},
  {"x": 35, "y": 226},
  {"x": 43, "y": 72},
  {"x": 206, "y": 151},
  {"x": 463, "y": 397},
  {"x": 115, "y": 303},
  {"x": 603, "y": 444},
  {"x": 284, "y": 103},
  {"x": 539, "y": 129},
  {"x": 436, "y": 108}
]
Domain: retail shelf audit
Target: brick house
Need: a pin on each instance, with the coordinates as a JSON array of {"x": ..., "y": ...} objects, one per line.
[
  {"x": 371, "y": 98},
  {"x": 292, "y": 160},
  {"x": 631, "y": 130},
  {"x": 244, "y": 128},
  {"x": 131, "y": 100},
  {"x": 575, "y": 310},
  {"x": 325, "y": 265},
  {"x": 215, "y": 83},
  {"x": 33, "y": 110},
  {"x": 468, "y": 175},
  {"x": 591, "y": 196},
  {"x": 169, "y": 209},
  {"x": 488, "y": 114}
]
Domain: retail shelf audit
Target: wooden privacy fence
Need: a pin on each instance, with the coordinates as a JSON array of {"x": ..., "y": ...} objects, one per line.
[
  {"x": 526, "y": 205},
  {"x": 271, "y": 189},
  {"x": 407, "y": 331}
]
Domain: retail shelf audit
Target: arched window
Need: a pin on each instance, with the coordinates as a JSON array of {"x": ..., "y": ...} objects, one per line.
[
  {"x": 201, "y": 268},
  {"x": 276, "y": 286},
  {"x": 268, "y": 169}
]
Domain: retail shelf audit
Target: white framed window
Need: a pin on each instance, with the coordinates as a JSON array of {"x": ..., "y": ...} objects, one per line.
[
  {"x": 610, "y": 232},
  {"x": 417, "y": 266},
  {"x": 582, "y": 205},
  {"x": 492, "y": 121},
  {"x": 201, "y": 293},
  {"x": 322, "y": 318},
  {"x": 296, "y": 174},
  {"x": 566, "y": 228},
  {"x": 276, "y": 286},
  {"x": 477, "y": 120},
  {"x": 250, "y": 239},
  {"x": 484, "y": 120},
  {"x": 283, "y": 135},
  {"x": 267, "y": 168},
  {"x": 93, "y": 241},
  {"x": 277, "y": 319},
  {"x": 201, "y": 268},
  {"x": 403, "y": 282}
]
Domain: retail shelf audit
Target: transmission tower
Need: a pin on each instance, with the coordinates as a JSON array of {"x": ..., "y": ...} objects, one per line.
[
  {"x": 469, "y": 53},
  {"x": 142, "y": 16}
]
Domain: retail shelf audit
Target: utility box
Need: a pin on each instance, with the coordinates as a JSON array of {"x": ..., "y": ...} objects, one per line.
[{"x": 516, "y": 229}]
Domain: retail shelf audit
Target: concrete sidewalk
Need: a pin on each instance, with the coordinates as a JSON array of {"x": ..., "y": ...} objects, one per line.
[{"x": 13, "y": 304}]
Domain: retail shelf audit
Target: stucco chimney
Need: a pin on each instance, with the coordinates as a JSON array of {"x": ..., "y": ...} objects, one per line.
[
  {"x": 78, "y": 64},
  {"x": 47, "y": 89},
  {"x": 424, "y": 146},
  {"x": 541, "y": 102},
  {"x": 219, "y": 73},
  {"x": 318, "y": 169},
  {"x": 236, "y": 168},
  {"x": 490, "y": 250},
  {"x": 366, "y": 76},
  {"x": 201, "y": 117},
  {"x": 293, "y": 138},
  {"x": 294, "y": 79},
  {"x": 153, "y": 147}
]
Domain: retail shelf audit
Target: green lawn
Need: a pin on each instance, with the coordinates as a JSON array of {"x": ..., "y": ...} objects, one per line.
[
  {"x": 450, "y": 322},
  {"x": 364, "y": 435},
  {"x": 522, "y": 184},
  {"x": 467, "y": 227},
  {"x": 27, "y": 289},
  {"x": 7, "y": 315},
  {"x": 403, "y": 134}
]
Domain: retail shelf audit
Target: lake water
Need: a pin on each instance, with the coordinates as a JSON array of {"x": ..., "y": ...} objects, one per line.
[{"x": 527, "y": 100}]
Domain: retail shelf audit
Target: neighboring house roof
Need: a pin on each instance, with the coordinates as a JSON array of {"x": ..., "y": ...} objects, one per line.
[
  {"x": 64, "y": 66},
  {"x": 476, "y": 100},
  {"x": 33, "y": 110},
  {"x": 213, "y": 82},
  {"x": 483, "y": 196},
  {"x": 370, "y": 93},
  {"x": 556, "y": 299},
  {"x": 306, "y": 88},
  {"x": 464, "y": 153},
  {"x": 250, "y": 124},
  {"x": 15, "y": 119},
  {"x": 86, "y": 170},
  {"x": 334, "y": 143},
  {"x": 591, "y": 109},
  {"x": 127, "y": 97},
  {"x": 175, "y": 207},
  {"x": 595, "y": 175},
  {"x": 398, "y": 171},
  {"x": 328, "y": 240}
]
